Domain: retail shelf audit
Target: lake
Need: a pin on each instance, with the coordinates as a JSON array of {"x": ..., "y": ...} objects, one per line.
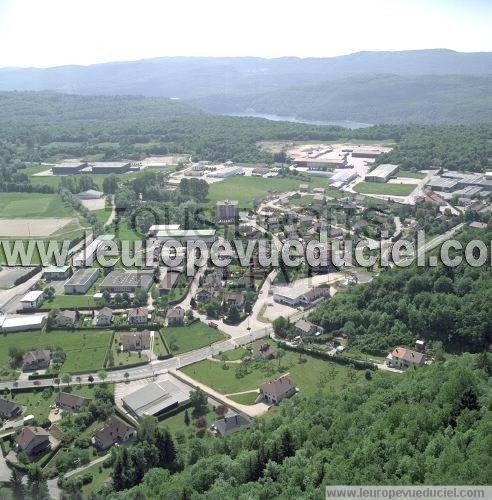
[{"x": 278, "y": 118}]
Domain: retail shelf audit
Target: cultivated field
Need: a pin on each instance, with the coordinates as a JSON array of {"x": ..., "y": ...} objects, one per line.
[{"x": 32, "y": 227}]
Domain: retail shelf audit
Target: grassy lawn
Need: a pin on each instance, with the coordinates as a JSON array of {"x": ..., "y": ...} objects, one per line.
[
  {"x": 54, "y": 180},
  {"x": 384, "y": 188},
  {"x": 102, "y": 215},
  {"x": 17, "y": 205},
  {"x": 64, "y": 301},
  {"x": 38, "y": 402},
  {"x": 99, "y": 475},
  {"x": 84, "y": 349},
  {"x": 176, "y": 423},
  {"x": 410, "y": 174},
  {"x": 121, "y": 358},
  {"x": 233, "y": 355},
  {"x": 308, "y": 375},
  {"x": 245, "y": 189},
  {"x": 188, "y": 338},
  {"x": 159, "y": 346},
  {"x": 245, "y": 399}
]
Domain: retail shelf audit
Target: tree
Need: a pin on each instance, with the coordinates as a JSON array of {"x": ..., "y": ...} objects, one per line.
[
  {"x": 90, "y": 378},
  {"x": 140, "y": 297},
  {"x": 233, "y": 315},
  {"x": 186, "y": 418},
  {"x": 147, "y": 430},
  {"x": 66, "y": 378},
  {"x": 279, "y": 326},
  {"x": 37, "y": 487},
  {"x": 110, "y": 184},
  {"x": 16, "y": 485},
  {"x": 103, "y": 375},
  {"x": 167, "y": 451},
  {"x": 198, "y": 400}
]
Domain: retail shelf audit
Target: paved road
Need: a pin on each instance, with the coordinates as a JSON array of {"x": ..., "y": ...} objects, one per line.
[{"x": 7, "y": 296}]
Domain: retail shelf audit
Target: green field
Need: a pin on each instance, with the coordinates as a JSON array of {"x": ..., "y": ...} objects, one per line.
[
  {"x": 85, "y": 349},
  {"x": 233, "y": 355},
  {"x": 410, "y": 174},
  {"x": 181, "y": 339},
  {"x": 245, "y": 189},
  {"x": 102, "y": 215},
  {"x": 384, "y": 189},
  {"x": 122, "y": 358},
  {"x": 306, "y": 375},
  {"x": 245, "y": 399},
  {"x": 33, "y": 205},
  {"x": 99, "y": 475},
  {"x": 175, "y": 423},
  {"x": 71, "y": 301},
  {"x": 54, "y": 180}
]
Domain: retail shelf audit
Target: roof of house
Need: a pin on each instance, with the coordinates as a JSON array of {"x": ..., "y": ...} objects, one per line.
[
  {"x": 27, "y": 434},
  {"x": 176, "y": 312},
  {"x": 408, "y": 355},
  {"x": 230, "y": 423},
  {"x": 105, "y": 311},
  {"x": 132, "y": 339},
  {"x": 37, "y": 356},
  {"x": 71, "y": 400},
  {"x": 304, "y": 325},
  {"x": 138, "y": 312},
  {"x": 279, "y": 386},
  {"x": 7, "y": 407},
  {"x": 114, "y": 430},
  {"x": 71, "y": 315}
]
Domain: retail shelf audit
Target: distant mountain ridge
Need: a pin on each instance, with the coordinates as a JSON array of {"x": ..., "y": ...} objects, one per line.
[{"x": 189, "y": 77}]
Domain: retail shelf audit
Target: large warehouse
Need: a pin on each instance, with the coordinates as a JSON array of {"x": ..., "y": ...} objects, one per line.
[
  {"x": 23, "y": 322},
  {"x": 382, "y": 173},
  {"x": 126, "y": 281},
  {"x": 69, "y": 167},
  {"x": 154, "y": 399},
  {"x": 110, "y": 167},
  {"x": 81, "y": 281},
  {"x": 184, "y": 235}
]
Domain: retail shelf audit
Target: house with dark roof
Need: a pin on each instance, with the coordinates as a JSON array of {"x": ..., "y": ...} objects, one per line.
[
  {"x": 71, "y": 402},
  {"x": 9, "y": 409},
  {"x": 36, "y": 360},
  {"x": 175, "y": 316},
  {"x": 402, "y": 358},
  {"x": 234, "y": 298},
  {"x": 305, "y": 328},
  {"x": 114, "y": 431},
  {"x": 273, "y": 391},
  {"x": 34, "y": 441},
  {"x": 104, "y": 317},
  {"x": 135, "y": 341},
  {"x": 231, "y": 423}
]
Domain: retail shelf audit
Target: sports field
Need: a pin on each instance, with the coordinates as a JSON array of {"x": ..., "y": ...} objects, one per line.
[
  {"x": 85, "y": 349},
  {"x": 384, "y": 189}
]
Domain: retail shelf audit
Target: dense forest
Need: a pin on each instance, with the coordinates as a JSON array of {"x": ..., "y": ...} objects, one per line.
[
  {"x": 54, "y": 126},
  {"x": 428, "y": 426},
  {"x": 441, "y": 304},
  {"x": 385, "y": 98}
]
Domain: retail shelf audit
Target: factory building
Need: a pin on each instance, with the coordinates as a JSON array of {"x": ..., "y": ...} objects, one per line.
[
  {"x": 366, "y": 153},
  {"x": 69, "y": 167},
  {"x": 227, "y": 210},
  {"x": 81, "y": 281},
  {"x": 185, "y": 235},
  {"x": 320, "y": 163},
  {"x": 110, "y": 167},
  {"x": 227, "y": 172},
  {"x": 122, "y": 281},
  {"x": 382, "y": 173}
]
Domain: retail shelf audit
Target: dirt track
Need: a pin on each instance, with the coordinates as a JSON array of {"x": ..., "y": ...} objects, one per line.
[{"x": 32, "y": 227}]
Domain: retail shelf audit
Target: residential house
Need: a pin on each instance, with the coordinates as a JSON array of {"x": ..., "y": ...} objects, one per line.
[
  {"x": 175, "y": 316},
  {"x": 36, "y": 360},
  {"x": 262, "y": 350},
  {"x": 104, "y": 317},
  {"x": 9, "y": 409},
  {"x": 138, "y": 316},
  {"x": 34, "y": 441},
  {"x": 273, "y": 391},
  {"x": 404, "y": 358},
  {"x": 65, "y": 318},
  {"x": 206, "y": 295},
  {"x": 114, "y": 431},
  {"x": 273, "y": 224},
  {"x": 231, "y": 423},
  {"x": 71, "y": 402},
  {"x": 234, "y": 298},
  {"x": 305, "y": 328},
  {"x": 246, "y": 282},
  {"x": 135, "y": 341},
  {"x": 303, "y": 188}
]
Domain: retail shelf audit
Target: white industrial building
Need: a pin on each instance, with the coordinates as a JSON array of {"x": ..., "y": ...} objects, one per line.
[
  {"x": 24, "y": 322},
  {"x": 227, "y": 172},
  {"x": 81, "y": 281},
  {"x": 185, "y": 235},
  {"x": 382, "y": 173},
  {"x": 32, "y": 300},
  {"x": 155, "y": 228}
]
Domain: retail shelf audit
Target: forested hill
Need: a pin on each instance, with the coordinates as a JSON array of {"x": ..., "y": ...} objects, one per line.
[
  {"x": 449, "y": 305},
  {"x": 427, "y": 426},
  {"x": 383, "y": 98},
  {"x": 188, "y": 77}
]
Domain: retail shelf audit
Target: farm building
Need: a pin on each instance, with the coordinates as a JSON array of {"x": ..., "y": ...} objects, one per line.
[
  {"x": 81, "y": 281},
  {"x": 382, "y": 173},
  {"x": 366, "y": 153}
]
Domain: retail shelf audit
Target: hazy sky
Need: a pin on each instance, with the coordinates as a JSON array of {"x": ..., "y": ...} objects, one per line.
[{"x": 54, "y": 32}]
